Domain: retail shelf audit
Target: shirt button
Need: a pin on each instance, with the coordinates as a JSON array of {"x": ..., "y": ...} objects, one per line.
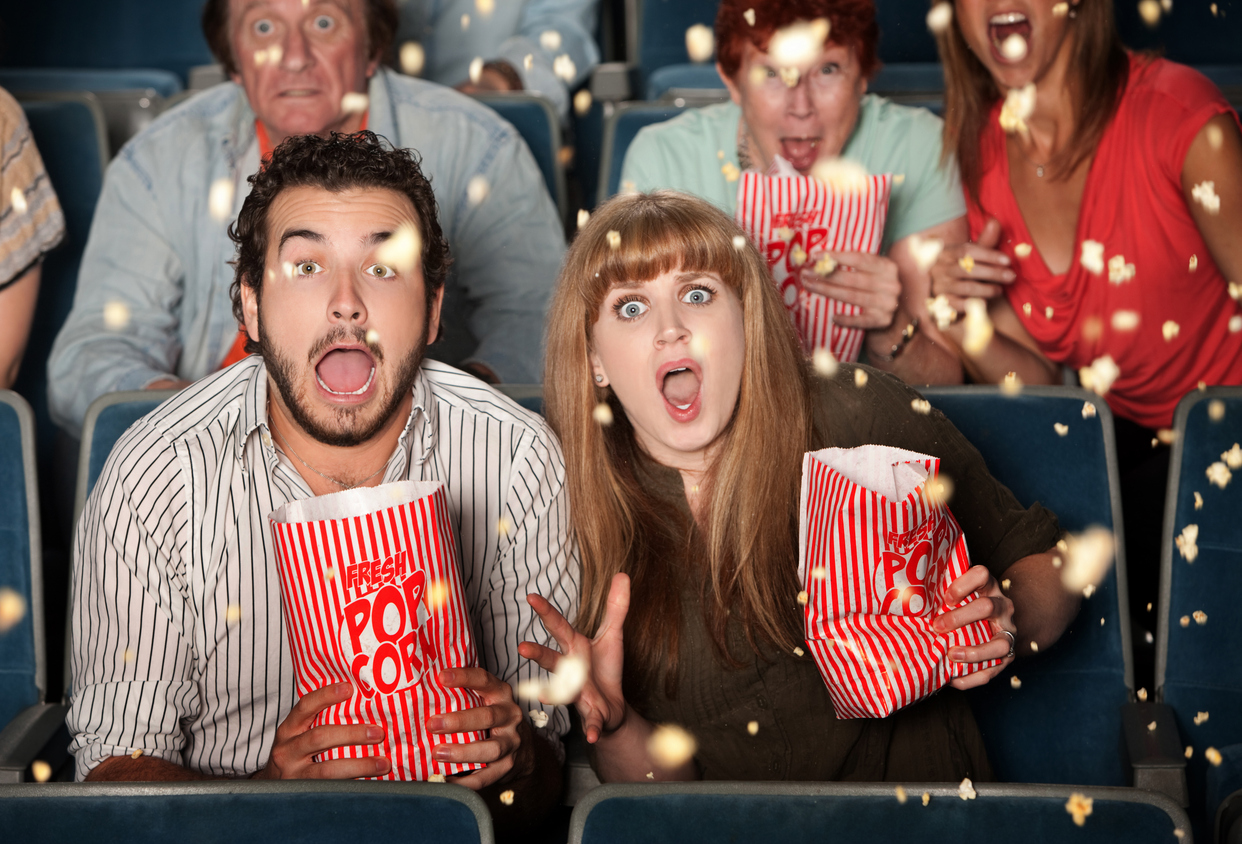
[{"x": 763, "y": 702}]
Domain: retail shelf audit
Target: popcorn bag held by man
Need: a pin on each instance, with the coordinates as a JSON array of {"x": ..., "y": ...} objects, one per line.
[
  {"x": 795, "y": 220},
  {"x": 877, "y": 552},
  {"x": 372, "y": 595}
]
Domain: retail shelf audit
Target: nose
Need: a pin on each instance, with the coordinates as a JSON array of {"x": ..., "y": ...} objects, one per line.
[
  {"x": 670, "y": 328},
  {"x": 346, "y": 306},
  {"x": 799, "y": 101},
  {"x": 296, "y": 55}
]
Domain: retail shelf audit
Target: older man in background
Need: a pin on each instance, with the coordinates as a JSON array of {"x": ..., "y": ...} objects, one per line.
[{"x": 152, "y": 308}]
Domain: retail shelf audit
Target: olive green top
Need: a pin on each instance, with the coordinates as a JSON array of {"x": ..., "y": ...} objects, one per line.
[{"x": 799, "y": 736}]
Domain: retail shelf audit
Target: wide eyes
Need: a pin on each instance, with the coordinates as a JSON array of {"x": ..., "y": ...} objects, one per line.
[
  {"x": 306, "y": 268},
  {"x": 632, "y": 309},
  {"x": 323, "y": 23},
  {"x": 264, "y": 27},
  {"x": 381, "y": 271},
  {"x": 697, "y": 296}
]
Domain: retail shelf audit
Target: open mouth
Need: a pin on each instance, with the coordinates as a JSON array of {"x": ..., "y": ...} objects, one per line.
[
  {"x": 345, "y": 371},
  {"x": 800, "y": 152},
  {"x": 1002, "y": 28},
  {"x": 680, "y": 383}
]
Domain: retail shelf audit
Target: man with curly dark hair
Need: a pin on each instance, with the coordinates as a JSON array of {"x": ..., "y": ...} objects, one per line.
[
  {"x": 158, "y": 250},
  {"x": 179, "y": 646}
]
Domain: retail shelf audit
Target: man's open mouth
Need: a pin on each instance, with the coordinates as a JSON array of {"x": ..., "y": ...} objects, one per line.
[{"x": 346, "y": 371}]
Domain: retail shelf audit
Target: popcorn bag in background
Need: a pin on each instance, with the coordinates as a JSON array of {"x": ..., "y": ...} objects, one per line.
[
  {"x": 794, "y": 220},
  {"x": 876, "y": 555},
  {"x": 372, "y": 595}
]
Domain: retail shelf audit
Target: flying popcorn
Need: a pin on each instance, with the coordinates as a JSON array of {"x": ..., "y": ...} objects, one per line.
[
  {"x": 978, "y": 327},
  {"x": 922, "y": 406},
  {"x": 1166, "y": 5},
  {"x": 12, "y": 608},
  {"x": 115, "y": 316},
  {"x": 1200, "y": 718},
  {"x": 1100, "y": 375},
  {"x": 1233, "y": 457},
  {"x": 941, "y": 311},
  {"x": 1092, "y": 257},
  {"x": 413, "y": 58},
  {"x": 1142, "y": 694},
  {"x": 1088, "y": 557},
  {"x": 18, "y": 200},
  {"x": 1200, "y": 617},
  {"x": 1149, "y": 11},
  {"x": 1014, "y": 48},
  {"x": 506, "y": 797},
  {"x": 42, "y": 771},
  {"x": 1088, "y": 410},
  {"x": 1204, "y": 193},
  {"x": 538, "y": 718},
  {"x": 753, "y": 728},
  {"x": 901, "y": 795},
  {"x": 582, "y": 102},
  {"x": 355, "y": 103},
  {"x": 475, "y": 71},
  {"x": 373, "y": 337},
  {"x": 1119, "y": 271},
  {"x": 232, "y": 615},
  {"x": 824, "y": 363},
  {"x": 1170, "y": 330},
  {"x": 803, "y": 597},
  {"x": 938, "y": 490},
  {"x": 797, "y": 255},
  {"x": 1026, "y": 308},
  {"x": 465, "y": 22},
  {"x": 1213, "y": 756},
  {"x": 1015, "y": 683},
  {"x": 602, "y": 414},
  {"x": 528, "y": 61},
  {"x": 614, "y": 239},
  {"x": 1186, "y": 543},
  {"x": 1011, "y": 384},
  {"x": 219, "y": 199},
  {"x": 967, "y": 263},
  {"x": 561, "y": 686},
  {"x": 550, "y": 40},
  {"x": 730, "y": 171},
  {"x": 1022, "y": 250},
  {"x": 583, "y": 216},
  {"x": 926, "y": 251},
  {"x": 477, "y": 190},
  {"x": 966, "y": 790},
  {"x": 1198, "y": 501},
  {"x": 1184, "y": 621},
  {"x": 939, "y": 18},
  {"x": 1218, "y": 473},
  {"x": 739, "y": 242},
  {"x": 1019, "y": 104},
  {"x": 800, "y": 43},
  {"x": 790, "y": 76},
  {"x": 1190, "y": 751},
  {"x": 1048, "y": 312},
  {"x": 1216, "y": 410},
  {"x": 749, "y": 15},
  {"x": 1194, "y": 263},
  {"x": 1061, "y": 9},
  {"x": 403, "y": 250},
  {"x": 485, "y": 7},
  {"x": 860, "y": 381},
  {"x": 1061, "y": 430},
  {"x": 700, "y": 43},
  {"x": 1235, "y": 324},
  {"x": 798, "y": 652},
  {"x": 825, "y": 265},
  {"x": 671, "y": 746},
  {"x": 564, "y": 68},
  {"x": 1125, "y": 320},
  {"x": 272, "y": 55},
  {"x": 841, "y": 174}
]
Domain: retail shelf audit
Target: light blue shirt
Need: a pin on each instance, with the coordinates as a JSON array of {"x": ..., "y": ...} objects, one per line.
[
  {"x": 158, "y": 258},
  {"x": 511, "y": 32}
]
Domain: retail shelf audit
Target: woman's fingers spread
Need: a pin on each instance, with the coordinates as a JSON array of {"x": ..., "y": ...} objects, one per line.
[
  {"x": 562, "y": 631},
  {"x": 544, "y": 657}
]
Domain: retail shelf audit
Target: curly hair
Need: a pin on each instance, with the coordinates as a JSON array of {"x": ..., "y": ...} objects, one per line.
[
  {"x": 853, "y": 25},
  {"x": 336, "y": 163},
  {"x": 381, "y": 18}
]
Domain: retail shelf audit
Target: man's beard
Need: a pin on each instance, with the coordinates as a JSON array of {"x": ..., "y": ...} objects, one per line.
[{"x": 350, "y": 429}]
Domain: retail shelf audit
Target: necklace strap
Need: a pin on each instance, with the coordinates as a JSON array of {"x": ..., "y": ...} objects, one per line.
[{"x": 337, "y": 481}]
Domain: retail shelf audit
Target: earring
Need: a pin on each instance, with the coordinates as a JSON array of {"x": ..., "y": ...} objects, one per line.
[{"x": 599, "y": 379}]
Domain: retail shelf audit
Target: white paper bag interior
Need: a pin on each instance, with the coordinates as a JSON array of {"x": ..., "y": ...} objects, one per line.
[
  {"x": 353, "y": 502},
  {"x": 892, "y": 472}
]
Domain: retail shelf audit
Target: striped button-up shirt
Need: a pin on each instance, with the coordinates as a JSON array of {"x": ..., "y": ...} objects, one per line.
[{"x": 179, "y": 646}]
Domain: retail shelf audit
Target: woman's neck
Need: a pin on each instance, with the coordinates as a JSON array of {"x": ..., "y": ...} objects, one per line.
[{"x": 1052, "y": 123}]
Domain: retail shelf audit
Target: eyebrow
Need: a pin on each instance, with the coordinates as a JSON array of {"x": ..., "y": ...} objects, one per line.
[
  {"x": 305, "y": 234},
  {"x": 680, "y": 278},
  {"x": 376, "y": 238}
]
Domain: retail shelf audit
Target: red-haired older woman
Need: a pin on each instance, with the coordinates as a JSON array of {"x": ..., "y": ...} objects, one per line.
[
  {"x": 689, "y": 498},
  {"x": 1105, "y": 227},
  {"x": 826, "y": 113}
]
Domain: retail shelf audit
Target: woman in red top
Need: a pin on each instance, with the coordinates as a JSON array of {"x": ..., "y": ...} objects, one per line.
[{"x": 1104, "y": 222}]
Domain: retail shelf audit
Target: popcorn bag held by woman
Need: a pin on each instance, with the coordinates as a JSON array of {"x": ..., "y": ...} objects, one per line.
[
  {"x": 794, "y": 220},
  {"x": 372, "y": 595},
  {"x": 877, "y": 552}
]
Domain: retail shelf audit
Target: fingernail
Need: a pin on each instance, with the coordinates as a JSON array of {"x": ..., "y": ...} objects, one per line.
[
  {"x": 937, "y": 626},
  {"x": 435, "y": 723},
  {"x": 1005, "y": 260},
  {"x": 441, "y": 754},
  {"x": 374, "y": 732},
  {"x": 344, "y": 688},
  {"x": 1009, "y": 275},
  {"x": 957, "y": 654},
  {"x": 381, "y": 765}
]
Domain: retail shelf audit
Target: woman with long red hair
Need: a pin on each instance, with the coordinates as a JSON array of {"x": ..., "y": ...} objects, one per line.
[{"x": 678, "y": 389}]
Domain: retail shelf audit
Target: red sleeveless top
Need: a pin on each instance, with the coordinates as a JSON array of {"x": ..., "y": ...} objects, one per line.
[{"x": 1134, "y": 206}]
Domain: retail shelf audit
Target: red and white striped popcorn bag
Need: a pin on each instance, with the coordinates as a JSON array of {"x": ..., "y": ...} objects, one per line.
[
  {"x": 794, "y": 220},
  {"x": 877, "y": 553},
  {"x": 372, "y": 595}
]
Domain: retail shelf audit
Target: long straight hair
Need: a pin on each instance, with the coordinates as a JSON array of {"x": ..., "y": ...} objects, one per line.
[
  {"x": 1099, "y": 68},
  {"x": 748, "y": 519}
]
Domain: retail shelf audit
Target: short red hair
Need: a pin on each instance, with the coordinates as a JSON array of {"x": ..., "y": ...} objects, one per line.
[{"x": 852, "y": 25}]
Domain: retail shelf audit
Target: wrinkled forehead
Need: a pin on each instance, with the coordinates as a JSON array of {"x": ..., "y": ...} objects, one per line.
[{"x": 369, "y": 214}]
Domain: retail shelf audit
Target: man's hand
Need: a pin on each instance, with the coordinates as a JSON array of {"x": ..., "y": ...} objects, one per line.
[
  {"x": 508, "y": 749},
  {"x": 991, "y": 605},
  {"x": 297, "y": 742},
  {"x": 868, "y": 281}
]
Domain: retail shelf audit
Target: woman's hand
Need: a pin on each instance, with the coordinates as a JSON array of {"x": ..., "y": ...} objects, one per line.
[
  {"x": 972, "y": 270},
  {"x": 600, "y": 703},
  {"x": 993, "y": 605},
  {"x": 868, "y": 281}
]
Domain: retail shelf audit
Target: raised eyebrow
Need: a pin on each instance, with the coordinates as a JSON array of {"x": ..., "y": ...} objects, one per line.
[
  {"x": 305, "y": 234},
  {"x": 682, "y": 278},
  {"x": 376, "y": 238}
]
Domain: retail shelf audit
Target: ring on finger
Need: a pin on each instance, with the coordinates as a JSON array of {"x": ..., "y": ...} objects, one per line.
[{"x": 1013, "y": 642}]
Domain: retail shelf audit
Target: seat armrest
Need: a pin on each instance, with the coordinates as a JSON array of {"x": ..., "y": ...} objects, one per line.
[
  {"x": 613, "y": 81},
  {"x": 1154, "y": 747},
  {"x": 26, "y": 736}
]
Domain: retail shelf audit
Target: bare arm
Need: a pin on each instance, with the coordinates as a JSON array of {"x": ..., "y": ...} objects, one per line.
[
  {"x": 142, "y": 769},
  {"x": 1220, "y": 163},
  {"x": 17, "y": 303}
]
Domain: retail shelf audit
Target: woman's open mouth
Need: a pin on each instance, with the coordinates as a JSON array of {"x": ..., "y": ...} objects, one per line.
[
  {"x": 1010, "y": 33},
  {"x": 800, "y": 152},
  {"x": 345, "y": 372},
  {"x": 681, "y": 385}
]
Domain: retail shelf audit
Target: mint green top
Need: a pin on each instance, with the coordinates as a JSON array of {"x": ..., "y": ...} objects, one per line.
[{"x": 683, "y": 154}]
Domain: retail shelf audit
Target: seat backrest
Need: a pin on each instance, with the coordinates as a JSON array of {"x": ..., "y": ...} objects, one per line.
[
  {"x": 904, "y": 36},
  {"x": 1199, "y": 665},
  {"x": 108, "y": 417},
  {"x": 657, "y": 31},
  {"x": 536, "y": 120},
  {"x": 23, "y": 663},
  {"x": 685, "y": 813},
  {"x": 529, "y": 396},
  {"x": 1193, "y": 33},
  {"x": 19, "y": 80},
  {"x": 1063, "y": 725},
  {"x": 619, "y": 131},
  {"x": 244, "y": 812},
  {"x": 164, "y": 34},
  {"x": 695, "y": 77}
]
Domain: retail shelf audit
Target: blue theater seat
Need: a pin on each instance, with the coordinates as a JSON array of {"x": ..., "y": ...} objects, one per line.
[
  {"x": 536, "y": 120},
  {"x": 1064, "y": 724},
  {"x": 244, "y": 812},
  {"x": 1199, "y": 666},
  {"x": 688, "y": 813},
  {"x": 619, "y": 132},
  {"x": 659, "y": 28}
]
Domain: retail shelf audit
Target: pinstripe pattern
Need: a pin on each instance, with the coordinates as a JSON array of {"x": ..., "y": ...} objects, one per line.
[{"x": 175, "y": 533}]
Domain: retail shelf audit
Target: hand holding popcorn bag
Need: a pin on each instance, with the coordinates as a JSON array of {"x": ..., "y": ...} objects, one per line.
[
  {"x": 795, "y": 220},
  {"x": 372, "y": 595},
  {"x": 876, "y": 557}
]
